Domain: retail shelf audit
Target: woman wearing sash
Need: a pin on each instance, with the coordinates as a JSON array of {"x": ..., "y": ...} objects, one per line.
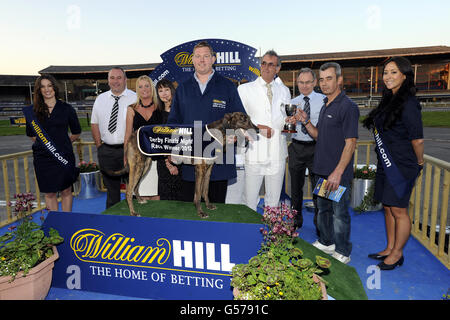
[
  {"x": 143, "y": 113},
  {"x": 48, "y": 121},
  {"x": 169, "y": 174},
  {"x": 397, "y": 125}
]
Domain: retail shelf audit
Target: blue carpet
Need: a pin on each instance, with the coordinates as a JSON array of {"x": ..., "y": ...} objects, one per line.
[{"x": 422, "y": 276}]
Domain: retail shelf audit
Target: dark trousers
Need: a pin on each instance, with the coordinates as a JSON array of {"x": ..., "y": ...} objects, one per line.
[
  {"x": 111, "y": 158},
  {"x": 217, "y": 191},
  {"x": 301, "y": 156}
]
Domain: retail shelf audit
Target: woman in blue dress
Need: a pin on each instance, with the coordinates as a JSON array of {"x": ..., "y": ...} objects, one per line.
[
  {"x": 398, "y": 121},
  {"x": 55, "y": 117}
]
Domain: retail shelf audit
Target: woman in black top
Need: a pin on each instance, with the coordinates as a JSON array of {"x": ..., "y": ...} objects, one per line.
[
  {"x": 55, "y": 118},
  {"x": 398, "y": 121},
  {"x": 143, "y": 113},
  {"x": 169, "y": 174}
]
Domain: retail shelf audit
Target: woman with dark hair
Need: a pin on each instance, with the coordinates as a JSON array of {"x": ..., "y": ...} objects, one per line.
[
  {"x": 398, "y": 132},
  {"x": 169, "y": 182},
  {"x": 48, "y": 121}
]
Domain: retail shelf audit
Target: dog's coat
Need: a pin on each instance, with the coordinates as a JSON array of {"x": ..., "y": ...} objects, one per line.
[{"x": 138, "y": 164}]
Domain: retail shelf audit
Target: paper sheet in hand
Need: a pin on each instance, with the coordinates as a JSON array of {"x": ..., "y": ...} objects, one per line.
[{"x": 320, "y": 190}]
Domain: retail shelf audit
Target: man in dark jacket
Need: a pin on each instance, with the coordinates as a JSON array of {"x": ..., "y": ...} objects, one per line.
[{"x": 206, "y": 96}]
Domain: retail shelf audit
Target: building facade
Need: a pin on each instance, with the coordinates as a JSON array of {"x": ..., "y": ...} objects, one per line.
[{"x": 362, "y": 71}]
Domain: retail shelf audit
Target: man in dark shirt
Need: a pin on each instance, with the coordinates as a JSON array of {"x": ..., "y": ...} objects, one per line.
[
  {"x": 206, "y": 96},
  {"x": 336, "y": 134}
]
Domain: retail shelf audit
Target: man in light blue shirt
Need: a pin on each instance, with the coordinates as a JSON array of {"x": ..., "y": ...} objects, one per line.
[{"x": 301, "y": 150}]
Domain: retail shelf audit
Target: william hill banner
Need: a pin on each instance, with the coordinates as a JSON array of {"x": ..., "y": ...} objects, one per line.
[
  {"x": 234, "y": 60},
  {"x": 149, "y": 257}
]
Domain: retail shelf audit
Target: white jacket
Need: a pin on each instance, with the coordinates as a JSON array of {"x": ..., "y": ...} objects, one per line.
[{"x": 265, "y": 154}]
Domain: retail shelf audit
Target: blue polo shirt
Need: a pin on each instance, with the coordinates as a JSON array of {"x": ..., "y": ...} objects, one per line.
[
  {"x": 190, "y": 104},
  {"x": 337, "y": 121}
]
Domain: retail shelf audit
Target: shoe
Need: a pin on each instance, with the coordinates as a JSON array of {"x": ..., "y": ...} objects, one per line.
[
  {"x": 377, "y": 256},
  {"x": 326, "y": 249},
  {"x": 341, "y": 257},
  {"x": 384, "y": 266}
]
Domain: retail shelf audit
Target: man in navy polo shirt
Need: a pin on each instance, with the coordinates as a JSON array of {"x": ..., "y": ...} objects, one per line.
[
  {"x": 336, "y": 134},
  {"x": 207, "y": 97}
]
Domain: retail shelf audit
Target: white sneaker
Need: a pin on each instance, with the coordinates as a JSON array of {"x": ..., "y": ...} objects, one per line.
[
  {"x": 326, "y": 249},
  {"x": 341, "y": 257}
]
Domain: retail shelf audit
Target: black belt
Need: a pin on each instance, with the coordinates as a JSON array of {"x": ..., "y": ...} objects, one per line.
[
  {"x": 307, "y": 143},
  {"x": 114, "y": 146}
]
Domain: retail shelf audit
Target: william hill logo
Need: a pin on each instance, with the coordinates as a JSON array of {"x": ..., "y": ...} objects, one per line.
[
  {"x": 93, "y": 246},
  {"x": 184, "y": 59},
  {"x": 167, "y": 130}
]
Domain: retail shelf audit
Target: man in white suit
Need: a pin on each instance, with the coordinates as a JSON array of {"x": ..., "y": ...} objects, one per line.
[{"x": 266, "y": 157}]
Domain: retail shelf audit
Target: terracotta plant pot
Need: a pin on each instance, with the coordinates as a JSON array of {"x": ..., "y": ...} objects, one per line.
[
  {"x": 34, "y": 286},
  {"x": 323, "y": 288}
]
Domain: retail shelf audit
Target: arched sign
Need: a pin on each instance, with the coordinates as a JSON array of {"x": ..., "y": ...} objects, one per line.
[{"x": 234, "y": 60}]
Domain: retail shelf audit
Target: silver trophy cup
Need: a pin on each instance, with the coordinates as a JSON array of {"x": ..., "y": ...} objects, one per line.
[{"x": 289, "y": 110}]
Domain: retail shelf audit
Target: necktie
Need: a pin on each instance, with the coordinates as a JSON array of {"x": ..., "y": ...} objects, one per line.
[
  {"x": 307, "y": 109},
  {"x": 113, "y": 118},
  {"x": 269, "y": 92}
]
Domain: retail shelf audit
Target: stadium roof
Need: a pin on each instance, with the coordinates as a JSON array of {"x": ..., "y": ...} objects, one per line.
[{"x": 372, "y": 56}]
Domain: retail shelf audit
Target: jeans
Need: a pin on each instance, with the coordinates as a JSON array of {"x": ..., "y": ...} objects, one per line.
[{"x": 333, "y": 221}]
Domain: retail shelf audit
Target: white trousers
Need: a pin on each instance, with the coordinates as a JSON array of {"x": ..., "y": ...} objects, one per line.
[
  {"x": 235, "y": 189},
  {"x": 272, "y": 185},
  {"x": 149, "y": 183}
]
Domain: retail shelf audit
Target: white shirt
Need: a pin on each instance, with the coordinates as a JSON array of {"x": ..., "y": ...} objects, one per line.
[
  {"x": 101, "y": 112},
  {"x": 265, "y": 154},
  {"x": 316, "y": 103}
]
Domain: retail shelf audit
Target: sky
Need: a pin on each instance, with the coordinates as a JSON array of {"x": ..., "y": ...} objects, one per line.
[{"x": 37, "y": 34}]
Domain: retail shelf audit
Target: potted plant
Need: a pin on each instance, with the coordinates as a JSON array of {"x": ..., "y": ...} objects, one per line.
[
  {"x": 90, "y": 166},
  {"x": 363, "y": 188},
  {"x": 27, "y": 255},
  {"x": 278, "y": 271},
  {"x": 88, "y": 184}
]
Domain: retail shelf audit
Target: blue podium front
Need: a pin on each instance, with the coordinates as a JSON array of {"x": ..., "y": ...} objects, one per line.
[{"x": 150, "y": 257}]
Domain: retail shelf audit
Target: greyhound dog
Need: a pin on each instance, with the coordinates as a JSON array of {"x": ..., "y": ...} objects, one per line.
[{"x": 138, "y": 164}]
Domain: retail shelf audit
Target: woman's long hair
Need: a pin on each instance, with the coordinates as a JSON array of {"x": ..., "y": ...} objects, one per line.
[
  {"x": 164, "y": 83},
  {"x": 392, "y": 105},
  {"x": 40, "y": 108}
]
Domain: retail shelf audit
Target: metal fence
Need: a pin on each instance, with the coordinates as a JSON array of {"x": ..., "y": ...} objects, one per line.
[{"x": 428, "y": 207}]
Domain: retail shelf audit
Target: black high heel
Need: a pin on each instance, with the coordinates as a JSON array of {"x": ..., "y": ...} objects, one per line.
[
  {"x": 384, "y": 266},
  {"x": 377, "y": 256}
]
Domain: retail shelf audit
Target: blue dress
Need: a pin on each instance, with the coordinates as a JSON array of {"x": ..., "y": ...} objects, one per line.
[
  {"x": 52, "y": 177},
  {"x": 398, "y": 141}
]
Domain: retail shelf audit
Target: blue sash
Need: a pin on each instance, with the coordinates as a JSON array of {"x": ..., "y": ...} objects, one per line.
[
  {"x": 187, "y": 141},
  {"x": 393, "y": 174},
  {"x": 45, "y": 140}
]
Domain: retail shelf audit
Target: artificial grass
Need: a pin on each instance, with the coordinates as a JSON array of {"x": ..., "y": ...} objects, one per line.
[
  {"x": 186, "y": 211},
  {"x": 343, "y": 282}
]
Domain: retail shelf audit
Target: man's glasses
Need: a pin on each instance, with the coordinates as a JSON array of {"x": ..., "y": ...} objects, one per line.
[
  {"x": 305, "y": 83},
  {"x": 270, "y": 64}
]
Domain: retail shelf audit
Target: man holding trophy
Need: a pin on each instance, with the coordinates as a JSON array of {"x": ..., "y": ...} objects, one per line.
[
  {"x": 265, "y": 158},
  {"x": 301, "y": 150}
]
